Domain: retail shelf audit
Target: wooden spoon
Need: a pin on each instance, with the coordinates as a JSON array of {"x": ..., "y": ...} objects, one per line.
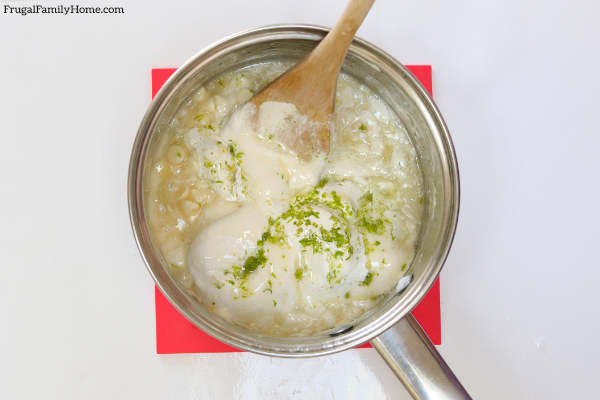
[{"x": 310, "y": 85}]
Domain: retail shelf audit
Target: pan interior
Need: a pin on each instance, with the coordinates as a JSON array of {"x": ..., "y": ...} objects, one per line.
[{"x": 398, "y": 88}]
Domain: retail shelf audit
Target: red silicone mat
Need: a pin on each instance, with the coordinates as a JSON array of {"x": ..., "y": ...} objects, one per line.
[{"x": 175, "y": 334}]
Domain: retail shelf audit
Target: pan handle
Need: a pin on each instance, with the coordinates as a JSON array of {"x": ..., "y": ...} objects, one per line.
[{"x": 410, "y": 354}]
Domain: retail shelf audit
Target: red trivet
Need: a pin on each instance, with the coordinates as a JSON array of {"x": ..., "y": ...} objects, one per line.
[{"x": 175, "y": 334}]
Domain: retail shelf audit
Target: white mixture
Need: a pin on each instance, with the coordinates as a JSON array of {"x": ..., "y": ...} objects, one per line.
[{"x": 273, "y": 243}]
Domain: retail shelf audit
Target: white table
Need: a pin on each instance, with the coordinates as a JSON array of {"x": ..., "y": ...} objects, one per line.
[{"x": 517, "y": 82}]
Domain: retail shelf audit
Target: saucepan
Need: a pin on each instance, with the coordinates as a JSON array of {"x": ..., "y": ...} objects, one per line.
[{"x": 389, "y": 326}]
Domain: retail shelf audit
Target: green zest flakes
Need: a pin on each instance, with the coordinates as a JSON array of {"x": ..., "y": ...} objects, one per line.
[
  {"x": 253, "y": 262},
  {"x": 312, "y": 241},
  {"x": 371, "y": 226},
  {"x": 322, "y": 183},
  {"x": 332, "y": 276},
  {"x": 270, "y": 288},
  {"x": 325, "y": 233},
  {"x": 368, "y": 279}
]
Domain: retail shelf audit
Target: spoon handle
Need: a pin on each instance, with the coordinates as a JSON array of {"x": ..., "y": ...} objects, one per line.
[{"x": 334, "y": 46}]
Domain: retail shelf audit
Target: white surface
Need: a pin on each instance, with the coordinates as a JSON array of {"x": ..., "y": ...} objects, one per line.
[{"x": 517, "y": 82}]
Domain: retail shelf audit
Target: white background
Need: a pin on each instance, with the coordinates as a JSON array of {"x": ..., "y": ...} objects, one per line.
[{"x": 518, "y": 83}]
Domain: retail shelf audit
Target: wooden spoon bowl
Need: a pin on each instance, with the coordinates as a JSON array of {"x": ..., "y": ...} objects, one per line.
[{"x": 310, "y": 85}]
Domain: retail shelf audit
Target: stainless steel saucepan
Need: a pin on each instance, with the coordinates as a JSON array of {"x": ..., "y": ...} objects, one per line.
[{"x": 390, "y": 326}]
